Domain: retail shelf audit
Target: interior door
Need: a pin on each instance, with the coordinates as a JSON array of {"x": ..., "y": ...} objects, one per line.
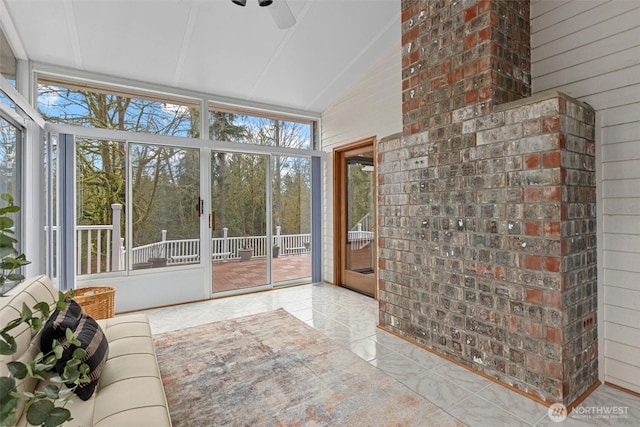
[{"x": 355, "y": 217}]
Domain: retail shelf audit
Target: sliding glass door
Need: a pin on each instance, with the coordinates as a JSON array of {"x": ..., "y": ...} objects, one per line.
[
  {"x": 249, "y": 192},
  {"x": 172, "y": 223},
  {"x": 240, "y": 245},
  {"x": 165, "y": 206},
  {"x": 291, "y": 207}
]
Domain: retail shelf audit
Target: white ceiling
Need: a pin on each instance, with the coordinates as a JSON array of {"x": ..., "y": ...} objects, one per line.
[{"x": 212, "y": 46}]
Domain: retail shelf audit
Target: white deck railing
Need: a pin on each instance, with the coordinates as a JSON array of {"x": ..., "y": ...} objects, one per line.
[
  {"x": 97, "y": 253},
  {"x": 93, "y": 243},
  {"x": 99, "y": 248},
  {"x": 95, "y": 248},
  {"x": 362, "y": 233}
]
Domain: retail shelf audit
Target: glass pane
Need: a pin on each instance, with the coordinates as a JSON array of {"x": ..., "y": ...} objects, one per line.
[
  {"x": 50, "y": 177},
  {"x": 7, "y": 58},
  {"x": 360, "y": 204},
  {"x": 247, "y": 129},
  {"x": 8, "y": 64},
  {"x": 100, "y": 201},
  {"x": 291, "y": 194},
  {"x": 103, "y": 109},
  {"x": 10, "y": 137},
  {"x": 5, "y": 99},
  {"x": 165, "y": 190},
  {"x": 239, "y": 245}
]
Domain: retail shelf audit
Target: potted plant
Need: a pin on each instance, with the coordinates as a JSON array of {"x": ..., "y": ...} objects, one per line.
[
  {"x": 275, "y": 250},
  {"x": 10, "y": 259},
  {"x": 47, "y": 406},
  {"x": 41, "y": 406},
  {"x": 245, "y": 252}
]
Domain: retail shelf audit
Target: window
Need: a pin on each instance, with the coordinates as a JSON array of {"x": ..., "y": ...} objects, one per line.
[
  {"x": 165, "y": 191},
  {"x": 260, "y": 130},
  {"x": 10, "y": 136},
  {"x": 76, "y": 104},
  {"x": 10, "y": 145},
  {"x": 139, "y": 201},
  {"x": 7, "y": 67}
]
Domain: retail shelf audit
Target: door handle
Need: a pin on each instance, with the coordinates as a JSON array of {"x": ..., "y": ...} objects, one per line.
[{"x": 200, "y": 206}]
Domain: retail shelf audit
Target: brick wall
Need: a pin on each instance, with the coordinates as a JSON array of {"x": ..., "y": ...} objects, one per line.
[
  {"x": 486, "y": 210},
  {"x": 460, "y": 53}
]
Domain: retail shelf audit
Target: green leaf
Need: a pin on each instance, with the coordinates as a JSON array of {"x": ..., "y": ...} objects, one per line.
[
  {"x": 85, "y": 369},
  {"x": 52, "y": 391},
  {"x": 56, "y": 379},
  {"x": 16, "y": 277},
  {"x": 68, "y": 333},
  {"x": 7, "y": 198},
  {"x": 39, "y": 411},
  {"x": 39, "y": 375},
  {"x": 10, "y": 209},
  {"x": 43, "y": 308},
  {"x": 26, "y": 314},
  {"x": 17, "y": 369},
  {"x": 70, "y": 372},
  {"x": 36, "y": 324},
  {"x": 7, "y": 386},
  {"x": 7, "y": 415},
  {"x": 50, "y": 360},
  {"x": 79, "y": 353},
  {"x": 74, "y": 363},
  {"x": 57, "y": 417},
  {"x": 34, "y": 373},
  {"x": 6, "y": 246},
  {"x": 11, "y": 325},
  {"x": 6, "y": 222},
  {"x": 61, "y": 304},
  {"x": 7, "y": 346},
  {"x": 41, "y": 371},
  {"x": 8, "y": 401},
  {"x": 58, "y": 350}
]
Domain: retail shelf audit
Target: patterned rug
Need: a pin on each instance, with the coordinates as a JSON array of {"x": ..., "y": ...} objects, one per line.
[{"x": 272, "y": 369}]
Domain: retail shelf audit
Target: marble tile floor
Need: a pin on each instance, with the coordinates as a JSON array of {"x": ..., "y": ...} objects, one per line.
[{"x": 350, "y": 319}]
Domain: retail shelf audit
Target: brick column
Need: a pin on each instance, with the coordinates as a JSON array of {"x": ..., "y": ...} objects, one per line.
[
  {"x": 461, "y": 53},
  {"x": 486, "y": 210}
]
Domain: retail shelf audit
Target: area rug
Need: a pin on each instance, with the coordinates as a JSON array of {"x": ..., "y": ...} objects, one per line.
[{"x": 272, "y": 369}]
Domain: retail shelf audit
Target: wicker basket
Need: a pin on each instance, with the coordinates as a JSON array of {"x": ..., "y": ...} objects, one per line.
[{"x": 96, "y": 301}]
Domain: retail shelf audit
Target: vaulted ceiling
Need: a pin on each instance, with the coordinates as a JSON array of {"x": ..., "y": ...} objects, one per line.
[{"x": 212, "y": 46}]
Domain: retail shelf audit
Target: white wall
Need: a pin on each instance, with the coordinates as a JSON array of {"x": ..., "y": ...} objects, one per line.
[
  {"x": 590, "y": 50},
  {"x": 371, "y": 107}
]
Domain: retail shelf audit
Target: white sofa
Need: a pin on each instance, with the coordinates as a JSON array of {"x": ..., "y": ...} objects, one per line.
[{"x": 130, "y": 391}]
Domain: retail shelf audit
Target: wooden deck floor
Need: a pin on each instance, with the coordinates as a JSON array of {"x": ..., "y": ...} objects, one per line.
[{"x": 233, "y": 275}]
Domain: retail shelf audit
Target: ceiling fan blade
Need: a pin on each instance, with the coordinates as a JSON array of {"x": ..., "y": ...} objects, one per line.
[{"x": 282, "y": 14}]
